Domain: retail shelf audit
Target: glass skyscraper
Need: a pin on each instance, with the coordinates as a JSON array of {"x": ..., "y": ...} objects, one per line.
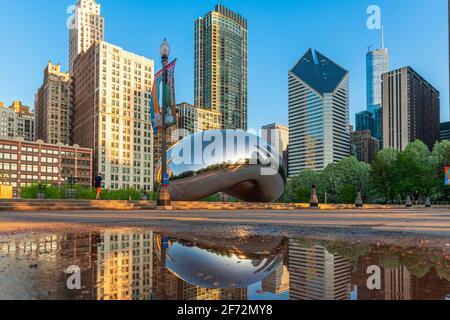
[
  {"x": 221, "y": 66},
  {"x": 377, "y": 64},
  {"x": 318, "y": 113}
]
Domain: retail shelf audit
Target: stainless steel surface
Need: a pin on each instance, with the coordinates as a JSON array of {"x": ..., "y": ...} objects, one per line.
[{"x": 236, "y": 163}]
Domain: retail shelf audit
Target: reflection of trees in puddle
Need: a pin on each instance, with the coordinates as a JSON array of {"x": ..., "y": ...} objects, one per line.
[
  {"x": 406, "y": 273},
  {"x": 128, "y": 265}
]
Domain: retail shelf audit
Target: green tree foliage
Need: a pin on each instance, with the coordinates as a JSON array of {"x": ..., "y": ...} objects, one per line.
[
  {"x": 413, "y": 171},
  {"x": 382, "y": 175},
  {"x": 299, "y": 188},
  {"x": 392, "y": 176}
]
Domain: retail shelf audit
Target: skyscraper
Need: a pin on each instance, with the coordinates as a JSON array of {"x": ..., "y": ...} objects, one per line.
[
  {"x": 365, "y": 145},
  {"x": 87, "y": 26},
  {"x": 411, "y": 109},
  {"x": 195, "y": 119},
  {"x": 16, "y": 121},
  {"x": 221, "y": 66},
  {"x": 278, "y": 136},
  {"x": 111, "y": 114},
  {"x": 51, "y": 106},
  {"x": 365, "y": 121},
  {"x": 318, "y": 113},
  {"x": 377, "y": 64},
  {"x": 316, "y": 274},
  {"x": 445, "y": 131}
]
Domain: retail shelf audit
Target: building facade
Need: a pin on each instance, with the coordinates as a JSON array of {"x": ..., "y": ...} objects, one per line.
[
  {"x": 318, "y": 113},
  {"x": 364, "y": 145},
  {"x": 26, "y": 163},
  {"x": 221, "y": 75},
  {"x": 411, "y": 109},
  {"x": 277, "y": 135},
  {"x": 16, "y": 121},
  {"x": 445, "y": 131},
  {"x": 377, "y": 63},
  {"x": 86, "y": 27},
  {"x": 316, "y": 274},
  {"x": 195, "y": 119},
  {"x": 125, "y": 266},
  {"x": 52, "y": 107},
  {"x": 365, "y": 121},
  {"x": 112, "y": 114}
]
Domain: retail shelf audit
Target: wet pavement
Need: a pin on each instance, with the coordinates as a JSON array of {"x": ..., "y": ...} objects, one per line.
[{"x": 234, "y": 262}]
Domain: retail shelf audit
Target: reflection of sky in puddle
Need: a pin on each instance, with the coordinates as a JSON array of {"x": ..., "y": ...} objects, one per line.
[{"x": 148, "y": 265}]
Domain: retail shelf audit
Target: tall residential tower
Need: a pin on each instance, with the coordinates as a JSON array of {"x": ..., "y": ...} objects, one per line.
[
  {"x": 318, "y": 113},
  {"x": 411, "y": 109},
  {"x": 87, "y": 26},
  {"x": 111, "y": 114},
  {"x": 221, "y": 66}
]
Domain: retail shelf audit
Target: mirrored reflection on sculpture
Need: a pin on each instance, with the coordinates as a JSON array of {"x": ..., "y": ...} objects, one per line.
[{"x": 237, "y": 163}]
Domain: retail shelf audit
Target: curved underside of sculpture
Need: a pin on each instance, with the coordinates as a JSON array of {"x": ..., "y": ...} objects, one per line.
[{"x": 236, "y": 163}]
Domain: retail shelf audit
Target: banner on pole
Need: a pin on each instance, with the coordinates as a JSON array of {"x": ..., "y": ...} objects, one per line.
[
  {"x": 169, "y": 94},
  {"x": 447, "y": 176}
]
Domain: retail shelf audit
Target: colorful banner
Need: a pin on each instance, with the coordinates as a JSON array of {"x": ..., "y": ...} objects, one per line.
[
  {"x": 155, "y": 106},
  {"x": 447, "y": 176},
  {"x": 155, "y": 110}
]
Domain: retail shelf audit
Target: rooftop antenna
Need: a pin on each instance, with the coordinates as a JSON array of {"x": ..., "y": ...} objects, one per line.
[{"x": 382, "y": 36}]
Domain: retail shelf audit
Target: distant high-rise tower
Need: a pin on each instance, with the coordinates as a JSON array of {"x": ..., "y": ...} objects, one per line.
[
  {"x": 318, "y": 113},
  {"x": 221, "y": 66},
  {"x": 87, "y": 27},
  {"x": 377, "y": 63},
  {"x": 411, "y": 109},
  {"x": 51, "y": 107}
]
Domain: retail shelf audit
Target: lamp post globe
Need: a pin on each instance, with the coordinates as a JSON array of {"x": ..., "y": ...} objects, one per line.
[{"x": 164, "y": 50}]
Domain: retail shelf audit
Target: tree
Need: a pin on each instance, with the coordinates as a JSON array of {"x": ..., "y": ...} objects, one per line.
[
  {"x": 382, "y": 175},
  {"x": 299, "y": 188},
  {"x": 413, "y": 171},
  {"x": 343, "y": 179}
]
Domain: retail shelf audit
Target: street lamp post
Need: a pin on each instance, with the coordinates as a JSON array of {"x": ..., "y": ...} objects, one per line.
[{"x": 164, "y": 195}]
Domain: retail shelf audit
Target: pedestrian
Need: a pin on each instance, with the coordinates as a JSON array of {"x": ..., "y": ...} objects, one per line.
[{"x": 98, "y": 186}]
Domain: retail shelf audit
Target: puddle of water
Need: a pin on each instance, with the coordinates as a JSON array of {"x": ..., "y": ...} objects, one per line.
[{"x": 147, "y": 265}]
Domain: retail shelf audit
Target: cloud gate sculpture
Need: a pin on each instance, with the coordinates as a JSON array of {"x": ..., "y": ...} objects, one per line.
[{"x": 237, "y": 163}]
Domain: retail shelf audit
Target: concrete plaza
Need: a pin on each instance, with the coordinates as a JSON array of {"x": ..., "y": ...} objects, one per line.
[{"x": 419, "y": 221}]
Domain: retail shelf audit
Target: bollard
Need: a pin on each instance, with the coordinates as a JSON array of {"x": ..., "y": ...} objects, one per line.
[
  {"x": 314, "y": 201},
  {"x": 409, "y": 203},
  {"x": 428, "y": 203},
  {"x": 359, "y": 201}
]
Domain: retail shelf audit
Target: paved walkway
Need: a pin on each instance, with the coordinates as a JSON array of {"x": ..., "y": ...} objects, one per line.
[{"x": 424, "y": 221}]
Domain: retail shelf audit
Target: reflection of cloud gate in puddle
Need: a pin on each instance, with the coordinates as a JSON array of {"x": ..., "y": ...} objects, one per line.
[
  {"x": 219, "y": 269},
  {"x": 236, "y": 163}
]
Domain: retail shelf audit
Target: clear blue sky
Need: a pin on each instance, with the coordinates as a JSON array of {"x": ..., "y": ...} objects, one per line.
[{"x": 32, "y": 32}]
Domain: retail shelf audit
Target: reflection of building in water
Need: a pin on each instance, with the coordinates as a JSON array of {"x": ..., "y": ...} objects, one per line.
[
  {"x": 316, "y": 274},
  {"x": 187, "y": 291},
  {"x": 50, "y": 256},
  {"x": 124, "y": 263},
  {"x": 278, "y": 281},
  {"x": 398, "y": 283}
]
